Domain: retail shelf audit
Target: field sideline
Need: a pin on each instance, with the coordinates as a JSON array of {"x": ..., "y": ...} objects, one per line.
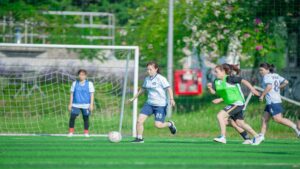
[{"x": 96, "y": 152}]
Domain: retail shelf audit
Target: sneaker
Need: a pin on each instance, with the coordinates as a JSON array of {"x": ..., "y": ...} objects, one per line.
[
  {"x": 172, "y": 128},
  {"x": 248, "y": 141},
  {"x": 138, "y": 140},
  {"x": 220, "y": 139},
  {"x": 70, "y": 134},
  {"x": 257, "y": 140},
  {"x": 86, "y": 135}
]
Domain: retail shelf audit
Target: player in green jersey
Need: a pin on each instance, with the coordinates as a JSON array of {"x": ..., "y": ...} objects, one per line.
[{"x": 227, "y": 87}]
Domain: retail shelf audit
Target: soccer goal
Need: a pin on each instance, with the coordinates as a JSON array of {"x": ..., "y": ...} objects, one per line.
[{"x": 35, "y": 82}]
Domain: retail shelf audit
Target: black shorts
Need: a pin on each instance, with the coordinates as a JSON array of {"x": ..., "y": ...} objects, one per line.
[{"x": 235, "y": 112}]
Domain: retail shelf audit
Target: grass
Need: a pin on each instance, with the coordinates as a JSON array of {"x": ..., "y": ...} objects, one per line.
[{"x": 169, "y": 152}]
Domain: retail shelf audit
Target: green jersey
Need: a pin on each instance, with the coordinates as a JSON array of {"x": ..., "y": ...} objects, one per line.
[{"x": 229, "y": 90}]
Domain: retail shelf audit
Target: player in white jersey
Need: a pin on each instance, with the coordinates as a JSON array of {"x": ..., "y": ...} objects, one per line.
[
  {"x": 157, "y": 88},
  {"x": 272, "y": 83}
]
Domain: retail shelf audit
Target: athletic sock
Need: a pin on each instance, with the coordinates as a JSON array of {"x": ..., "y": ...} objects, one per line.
[
  {"x": 169, "y": 124},
  {"x": 86, "y": 131},
  {"x": 140, "y": 136},
  {"x": 245, "y": 136},
  {"x": 71, "y": 130},
  {"x": 295, "y": 128}
]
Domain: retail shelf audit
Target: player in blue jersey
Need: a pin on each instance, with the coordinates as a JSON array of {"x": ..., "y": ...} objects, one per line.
[
  {"x": 272, "y": 83},
  {"x": 81, "y": 100},
  {"x": 157, "y": 88}
]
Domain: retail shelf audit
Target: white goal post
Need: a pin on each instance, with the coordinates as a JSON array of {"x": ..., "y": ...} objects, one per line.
[{"x": 114, "y": 49}]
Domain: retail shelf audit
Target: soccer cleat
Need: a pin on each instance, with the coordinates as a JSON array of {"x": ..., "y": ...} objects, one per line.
[
  {"x": 248, "y": 141},
  {"x": 257, "y": 140},
  {"x": 172, "y": 128},
  {"x": 86, "y": 135},
  {"x": 220, "y": 139},
  {"x": 70, "y": 134},
  {"x": 138, "y": 140}
]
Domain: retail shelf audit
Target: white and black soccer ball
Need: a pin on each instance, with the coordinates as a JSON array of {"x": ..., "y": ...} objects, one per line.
[{"x": 114, "y": 136}]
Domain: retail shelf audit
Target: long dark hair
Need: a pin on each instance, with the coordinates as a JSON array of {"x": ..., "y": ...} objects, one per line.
[
  {"x": 154, "y": 64},
  {"x": 268, "y": 66},
  {"x": 229, "y": 68}
]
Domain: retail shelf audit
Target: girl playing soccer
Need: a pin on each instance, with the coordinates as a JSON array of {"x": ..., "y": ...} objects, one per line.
[
  {"x": 157, "y": 88},
  {"x": 228, "y": 88},
  {"x": 233, "y": 70},
  {"x": 81, "y": 100},
  {"x": 272, "y": 83}
]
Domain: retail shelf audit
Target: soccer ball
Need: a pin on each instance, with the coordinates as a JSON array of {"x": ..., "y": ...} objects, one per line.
[{"x": 114, "y": 136}]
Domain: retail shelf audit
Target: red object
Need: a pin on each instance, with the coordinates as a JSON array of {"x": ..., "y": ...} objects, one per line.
[{"x": 188, "y": 82}]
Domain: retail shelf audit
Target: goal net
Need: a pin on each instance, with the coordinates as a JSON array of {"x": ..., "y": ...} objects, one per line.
[{"x": 35, "y": 82}]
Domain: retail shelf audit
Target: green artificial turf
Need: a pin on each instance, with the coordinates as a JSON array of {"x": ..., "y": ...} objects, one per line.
[{"x": 45, "y": 152}]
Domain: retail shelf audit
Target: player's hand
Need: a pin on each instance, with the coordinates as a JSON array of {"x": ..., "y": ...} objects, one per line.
[
  {"x": 255, "y": 92},
  {"x": 70, "y": 107},
  {"x": 217, "y": 101},
  {"x": 261, "y": 98},
  {"x": 172, "y": 102},
  {"x": 130, "y": 100},
  {"x": 91, "y": 107},
  {"x": 209, "y": 85}
]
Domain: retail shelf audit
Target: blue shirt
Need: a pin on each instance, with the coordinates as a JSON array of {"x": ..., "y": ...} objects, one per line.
[
  {"x": 82, "y": 94},
  {"x": 156, "y": 89}
]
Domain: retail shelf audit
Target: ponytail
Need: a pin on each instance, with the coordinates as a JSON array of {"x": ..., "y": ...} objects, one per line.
[{"x": 267, "y": 66}]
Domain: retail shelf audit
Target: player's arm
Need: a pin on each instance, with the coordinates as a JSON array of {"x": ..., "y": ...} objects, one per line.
[
  {"x": 70, "y": 102},
  {"x": 171, "y": 96},
  {"x": 264, "y": 93},
  {"x": 250, "y": 87},
  {"x": 210, "y": 88},
  {"x": 218, "y": 100},
  {"x": 284, "y": 84},
  {"x": 92, "y": 101},
  {"x": 141, "y": 90}
]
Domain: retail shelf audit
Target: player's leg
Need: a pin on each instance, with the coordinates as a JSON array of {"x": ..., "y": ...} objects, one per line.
[
  {"x": 85, "y": 116},
  {"x": 276, "y": 110},
  {"x": 264, "y": 125},
  {"x": 146, "y": 111},
  {"x": 222, "y": 118},
  {"x": 160, "y": 114},
  {"x": 241, "y": 131},
  {"x": 287, "y": 122},
  {"x": 74, "y": 113}
]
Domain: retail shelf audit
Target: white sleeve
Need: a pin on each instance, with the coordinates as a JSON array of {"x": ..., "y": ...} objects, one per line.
[
  {"x": 144, "y": 83},
  {"x": 73, "y": 86},
  {"x": 91, "y": 87},
  {"x": 281, "y": 79},
  {"x": 164, "y": 82},
  {"x": 268, "y": 79}
]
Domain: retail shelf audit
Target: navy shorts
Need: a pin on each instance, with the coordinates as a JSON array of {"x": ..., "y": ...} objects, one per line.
[
  {"x": 274, "y": 108},
  {"x": 159, "y": 112},
  {"x": 76, "y": 111},
  {"x": 235, "y": 112}
]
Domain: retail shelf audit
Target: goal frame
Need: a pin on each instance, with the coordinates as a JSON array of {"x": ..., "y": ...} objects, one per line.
[{"x": 135, "y": 78}]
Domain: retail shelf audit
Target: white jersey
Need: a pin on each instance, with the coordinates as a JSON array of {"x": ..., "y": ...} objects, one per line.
[
  {"x": 156, "y": 88},
  {"x": 273, "y": 96}
]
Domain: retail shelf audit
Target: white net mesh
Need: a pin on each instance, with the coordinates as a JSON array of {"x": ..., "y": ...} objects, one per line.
[{"x": 34, "y": 93}]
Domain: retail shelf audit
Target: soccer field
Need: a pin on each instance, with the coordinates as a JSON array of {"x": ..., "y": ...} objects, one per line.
[{"x": 94, "y": 152}]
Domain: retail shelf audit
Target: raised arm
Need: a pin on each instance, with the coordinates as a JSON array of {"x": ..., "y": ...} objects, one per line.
[
  {"x": 249, "y": 86},
  {"x": 283, "y": 84},
  {"x": 210, "y": 88}
]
